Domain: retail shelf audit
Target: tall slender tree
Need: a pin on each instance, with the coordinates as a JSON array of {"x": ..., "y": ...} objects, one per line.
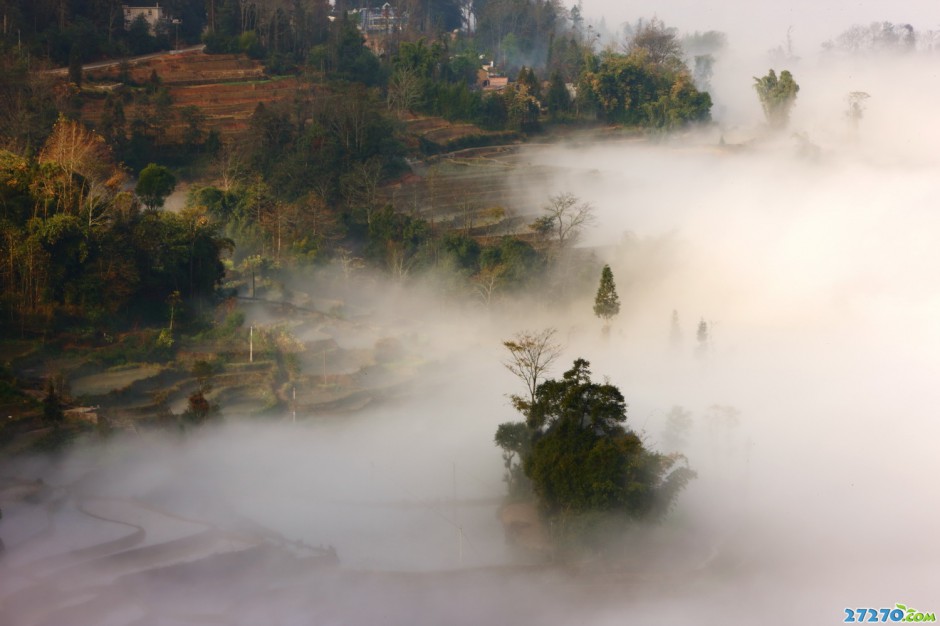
[{"x": 606, "y": 303}]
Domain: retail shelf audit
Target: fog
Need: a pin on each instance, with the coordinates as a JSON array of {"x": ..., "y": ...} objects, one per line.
[
  {"x": 754, "y": 28},
  {"x": 815, "y": 272}
]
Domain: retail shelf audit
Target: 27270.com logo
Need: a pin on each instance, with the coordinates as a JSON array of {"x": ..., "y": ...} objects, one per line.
[{"x": 899, "y": 613}]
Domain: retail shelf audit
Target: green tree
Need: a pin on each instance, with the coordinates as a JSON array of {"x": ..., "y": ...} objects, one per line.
[
  {"x": 154, "y": 185},
  {"x": 777, "y": 97},
  {"x": 516, "y": 442},
  {"x": 606, "y": 302},
  {"x": 557, "y": 100},
  {"x": 528, "y": 78},
  {"x": 582, "y": 459},
  {"x": 194, "y": 120}
]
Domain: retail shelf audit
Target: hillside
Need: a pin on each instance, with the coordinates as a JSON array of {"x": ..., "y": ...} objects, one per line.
[
  {"x": 228, "y": 87},
  {"x": 225, "y": 87}
]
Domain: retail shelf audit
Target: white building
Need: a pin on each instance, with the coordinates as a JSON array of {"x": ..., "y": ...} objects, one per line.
[
  {"x": 383, "y": 19},
  {"x": 153, "y": 15}
]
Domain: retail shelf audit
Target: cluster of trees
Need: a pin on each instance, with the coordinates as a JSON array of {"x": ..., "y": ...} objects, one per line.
[
  {"x": 76, "y": 244},
  {"x": 874, "y": 38},
  {"x": 29, "y": 101},
  {"x": 302, "y": 184},
  {"x": 65, "y": 32},
  {"x": 650, "y": 85},
  {"x": 140, "y": 139},
  {"x": 423, "y": 69},
  {"x": 777, "y": 97},
  {"x": 518, "y": 32},
  {"x": 573, "y": 450}
]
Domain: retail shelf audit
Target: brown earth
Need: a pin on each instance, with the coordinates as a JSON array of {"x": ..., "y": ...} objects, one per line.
[
  {"x": 225, "y": 87},
  {"x": 228, "y": 87}
]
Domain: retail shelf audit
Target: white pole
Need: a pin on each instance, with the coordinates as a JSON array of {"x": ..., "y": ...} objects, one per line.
[
  {"x": 456, "y": 521},
  {"x": 251, "y": 344},
  {"x": 294, "y": 402}
]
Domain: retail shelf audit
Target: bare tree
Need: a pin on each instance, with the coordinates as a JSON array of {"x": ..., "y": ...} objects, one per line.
[
  {"x": 487, "y": 282},
  {"x": 467, "y": 210},
  {"x": 660, "y": 43},
  {"x": 348, "y": 263},
  {"x": 79, "y": 167},
  {"x": 231, "y": 166},
  {"x": 565, "y": 218},
  {"x": 399, "y": 261},
  {"x": 404, "y": 90},
  {"x": 360, "y": 186},
  {"x": 530, "y": 356}
]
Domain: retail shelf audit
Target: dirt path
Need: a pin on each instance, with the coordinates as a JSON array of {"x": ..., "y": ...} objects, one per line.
[{"x": 144, "y": 57}]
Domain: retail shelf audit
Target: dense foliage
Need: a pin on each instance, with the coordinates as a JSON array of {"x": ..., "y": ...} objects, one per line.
[
  {"x": 74, "y": 243},
  {"x": 777, "y": 97},
  {"x": 580, "y": 458},
  {"x": 302, "y": 184}
]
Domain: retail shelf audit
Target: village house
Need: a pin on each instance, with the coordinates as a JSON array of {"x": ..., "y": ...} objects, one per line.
[
  {"x": 384, "y": 19},
  {"x": 490, "y": 79},
  {"x": 152, "y": 15}
]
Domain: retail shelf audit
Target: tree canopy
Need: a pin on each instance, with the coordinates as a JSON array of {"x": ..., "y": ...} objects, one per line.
[
  {"x": 154, "y": 185},
  {"x": 580, "y": 457},
  {"x": 777, "y": 97}
]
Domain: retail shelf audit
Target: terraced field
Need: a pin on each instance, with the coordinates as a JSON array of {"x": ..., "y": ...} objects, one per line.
[
  {"x": 228, "y": 87},
  {"x": 189, "y": 67},
  {"x": 488, "y": 192},
  {"x": 225, "y": 87}
]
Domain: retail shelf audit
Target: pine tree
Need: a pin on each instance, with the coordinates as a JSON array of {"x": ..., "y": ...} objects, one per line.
[{"x": 606, "y": 303}]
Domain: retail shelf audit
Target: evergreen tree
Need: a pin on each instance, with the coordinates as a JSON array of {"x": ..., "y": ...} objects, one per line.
[
  {"x": 606, "y": 303},
  {"x": 528, "y": 78},
  {"x": 558, "y": 100}
]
